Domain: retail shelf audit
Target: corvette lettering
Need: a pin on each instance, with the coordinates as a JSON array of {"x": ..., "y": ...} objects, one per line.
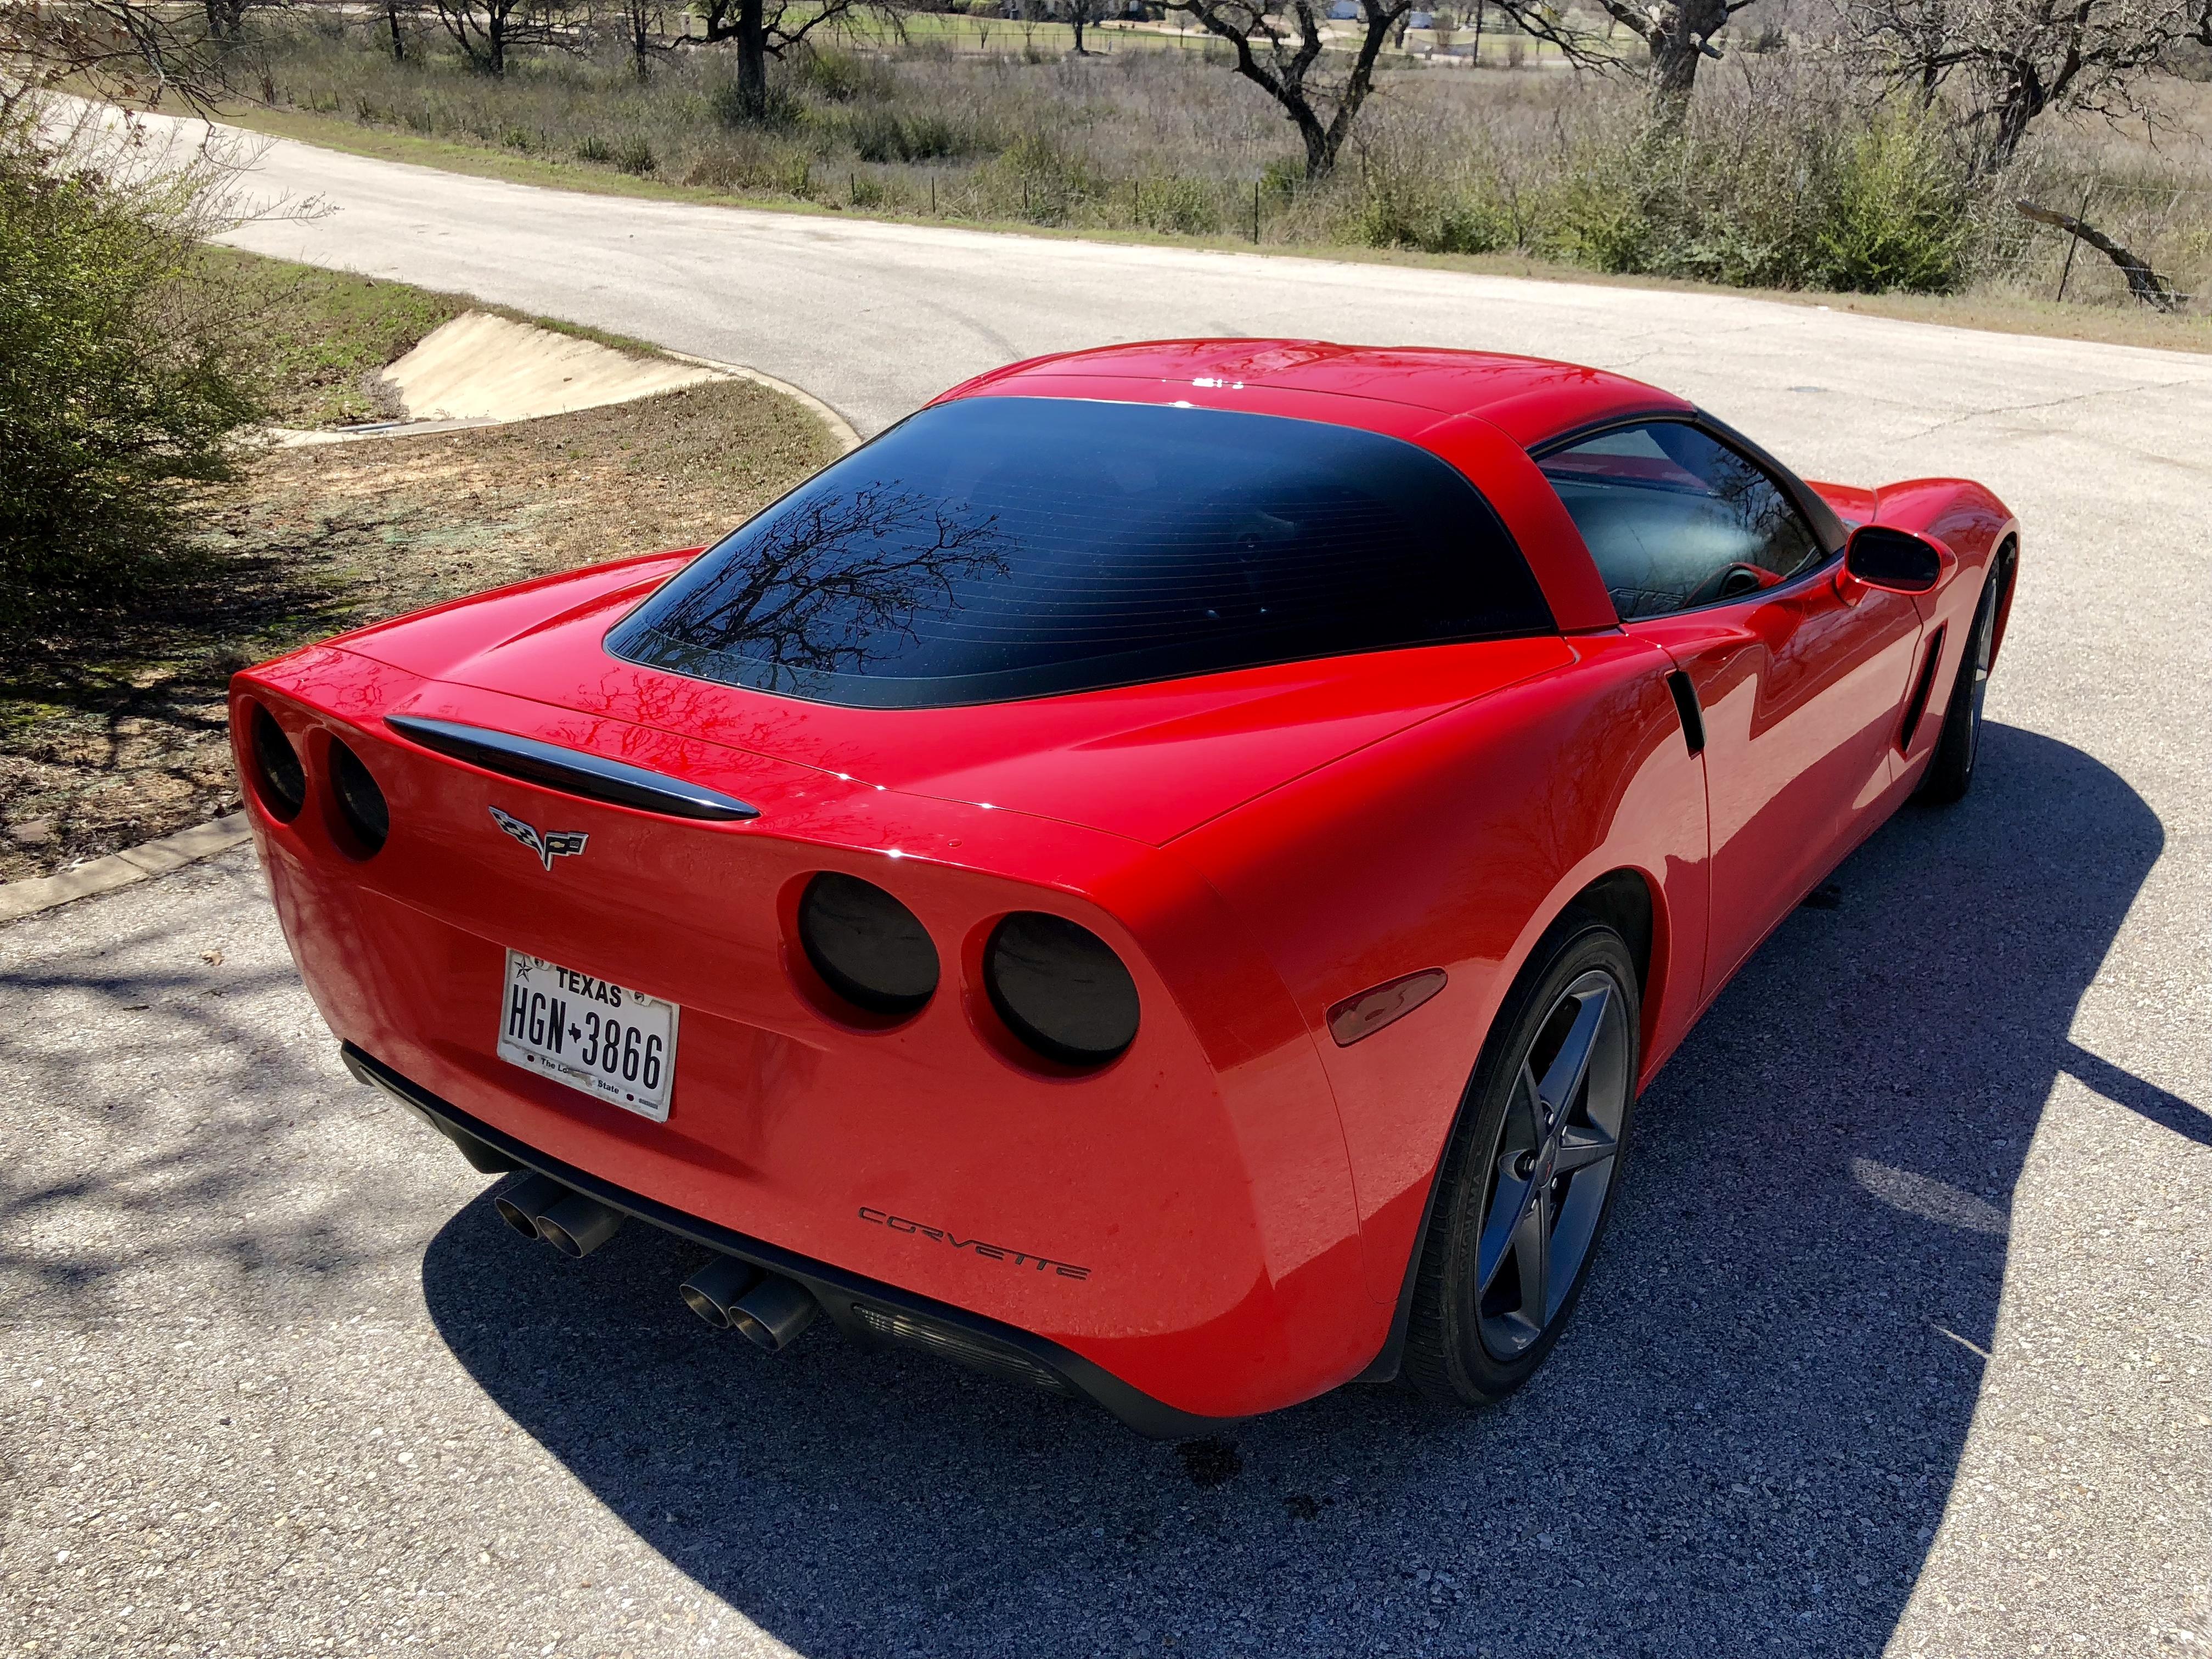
[{"x": 899, "y": 1223}]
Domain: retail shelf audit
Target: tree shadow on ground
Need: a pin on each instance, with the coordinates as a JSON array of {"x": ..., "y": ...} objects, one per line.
[{"x": 1743, "y": 1446}]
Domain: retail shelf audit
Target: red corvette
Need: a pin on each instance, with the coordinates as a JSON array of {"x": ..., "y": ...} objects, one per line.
[{"x": 1162, "y": 876}]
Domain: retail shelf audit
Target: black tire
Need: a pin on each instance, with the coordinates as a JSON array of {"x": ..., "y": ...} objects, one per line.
[
  {"x": 1529, "y": 1169},
  {"x": 1951, "y": 769}
]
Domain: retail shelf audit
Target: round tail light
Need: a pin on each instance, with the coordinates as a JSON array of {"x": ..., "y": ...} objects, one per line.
[
  {"x": 1060, "y": 989},
  {"x": 361, "y": 803},
  {"x": 869, "y": 949},
  {"x": 279, "y": 780}
]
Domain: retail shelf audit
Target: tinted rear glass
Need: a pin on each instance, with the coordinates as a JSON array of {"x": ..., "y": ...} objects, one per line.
[{"x": 1000, "y": 548}]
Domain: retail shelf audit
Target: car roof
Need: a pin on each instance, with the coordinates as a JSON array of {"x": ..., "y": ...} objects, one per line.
[{"x": 1395, "y": 389}]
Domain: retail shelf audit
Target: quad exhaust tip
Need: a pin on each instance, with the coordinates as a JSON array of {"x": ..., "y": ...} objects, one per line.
[
  {"x": 538, "y": 1207},
  {"x": 766, "y": 1309}
]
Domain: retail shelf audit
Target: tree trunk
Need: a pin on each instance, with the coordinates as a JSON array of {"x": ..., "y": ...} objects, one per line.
[
  {"x": 2146, "y": 284},
  {"x": 1677, "y": 38},
  {"x": 399, "y": 41},
  {"x": 1320, "y": 153},
  {"x": 1075, "y": 20},
  {"x": 752, "y": 59},
  {"x": 2022, "y": 99}
]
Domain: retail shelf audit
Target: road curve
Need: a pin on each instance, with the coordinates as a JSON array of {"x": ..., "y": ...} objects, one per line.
[{"x": 1901, "y": 1343}]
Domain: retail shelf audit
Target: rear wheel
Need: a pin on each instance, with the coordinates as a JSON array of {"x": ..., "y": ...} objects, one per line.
[
  {"x": 1528, "y": 1181},
  {"x": 1951, "y": 769}
]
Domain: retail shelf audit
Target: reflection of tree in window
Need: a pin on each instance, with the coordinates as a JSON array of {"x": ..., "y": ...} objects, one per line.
[
  {"x": 1011, "y": 547},
  {"x": 836, "y": 581},
  {"x": 1667, "y": 511}
]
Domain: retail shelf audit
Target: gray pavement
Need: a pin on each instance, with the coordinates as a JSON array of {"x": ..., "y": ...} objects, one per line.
[{"x": 1903, "y": 1342}]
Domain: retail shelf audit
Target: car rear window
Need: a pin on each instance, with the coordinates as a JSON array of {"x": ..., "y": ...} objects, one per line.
[{"x": 1001, "y": 548}]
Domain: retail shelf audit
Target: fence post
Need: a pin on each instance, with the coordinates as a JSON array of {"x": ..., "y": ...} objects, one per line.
[
  {"x": 1255, "y": 213},
  {"x": 2074, "y": 242}
]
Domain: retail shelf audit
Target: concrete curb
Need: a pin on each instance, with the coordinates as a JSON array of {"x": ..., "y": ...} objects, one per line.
[
  {"x": 840, "y": 428},
  {"x": 156, "y": 858}
]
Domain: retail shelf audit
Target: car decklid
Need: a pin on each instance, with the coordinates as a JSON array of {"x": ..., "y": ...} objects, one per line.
[{"x": 1147, "y": 762}]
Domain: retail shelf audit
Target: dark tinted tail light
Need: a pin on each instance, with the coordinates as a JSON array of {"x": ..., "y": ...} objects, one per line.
[
  {"x": 869, "y": 948},
  {"x": 1060, "y": 989},
  {"x": 279, "y": 781},
  {"x": 361, "y": 803}
]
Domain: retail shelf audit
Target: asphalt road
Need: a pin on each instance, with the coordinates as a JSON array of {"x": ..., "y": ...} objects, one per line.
[{"x": 1903, "y": 1341}]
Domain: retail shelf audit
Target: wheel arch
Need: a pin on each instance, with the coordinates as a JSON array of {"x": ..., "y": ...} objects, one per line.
[{"x": 1625, "y": 898}]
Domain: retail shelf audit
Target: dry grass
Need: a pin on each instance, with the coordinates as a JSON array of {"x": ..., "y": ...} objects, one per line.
[
  {"x": 988, "y": 123},
  {"x": 116, "y": 732}
]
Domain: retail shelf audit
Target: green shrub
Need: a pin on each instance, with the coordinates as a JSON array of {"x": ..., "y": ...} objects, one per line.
[
  {"x": 880, "y": 133},
  {"x": 1768, "y": 192},
  {"x": 844, "y": 77},
  {"x": 780, "y": 105},
  {"x": 592, "y": 147},
  {"x": 1900, "y": 213},
  {"x": 634, "y": 155},
  {"x": 118, "y": 384},
  {"x": 1181, "y": 206}
]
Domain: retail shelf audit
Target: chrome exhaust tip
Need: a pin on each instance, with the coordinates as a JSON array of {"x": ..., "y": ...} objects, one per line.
[
  {"x": 711, "y": 1290},
  {"x": 576, "y": 1225},
  {"x": 772, "y": 1313},
  {"x": 520, "y": 1205}
]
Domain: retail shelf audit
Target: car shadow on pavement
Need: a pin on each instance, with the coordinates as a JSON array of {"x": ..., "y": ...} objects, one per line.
[{"x": 1743, "y": 1446}]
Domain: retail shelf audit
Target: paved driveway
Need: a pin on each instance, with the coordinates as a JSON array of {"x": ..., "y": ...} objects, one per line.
[{"x": 1904, "y": 1340}]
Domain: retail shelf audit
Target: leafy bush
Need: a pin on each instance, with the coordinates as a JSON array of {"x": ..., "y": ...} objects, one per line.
[
  {"x": 1899, "y": 215},
  {"x": 880, "y": 133},
  {"x": 119, "y": 384},
  {"x": 844, "y": 77},
  {"x": 1778, "y": 190},
  {"x": 1181, "y": 205},
  {"x": 780, "y": 105}
]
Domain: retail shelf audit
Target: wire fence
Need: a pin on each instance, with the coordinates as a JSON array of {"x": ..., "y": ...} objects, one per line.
[{"x": 2164, "y": 228}]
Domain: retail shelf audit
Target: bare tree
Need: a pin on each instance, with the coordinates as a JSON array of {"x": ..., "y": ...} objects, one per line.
[
  {"x": 1080, "y": 14},
  {"x": 2008, "y": 61},
  {"x": 764, "y": 29},
  {"x": 1678, "y": 35},
  {"x": 117, "y": 48},
  {"x": 1283, "y": 51},
  {"x": 643, "y": 23},
  {"x": 487, "y": 30},
  {"x": 394, "y": 11}
]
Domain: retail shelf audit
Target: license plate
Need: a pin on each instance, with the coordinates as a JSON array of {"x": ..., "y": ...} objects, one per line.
[{"x": 606, "y": 1041}]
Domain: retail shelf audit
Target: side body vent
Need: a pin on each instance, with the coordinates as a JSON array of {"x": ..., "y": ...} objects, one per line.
[
  {"x": 1917, "y": 704},
  {"x": 1686, "y": 706}
]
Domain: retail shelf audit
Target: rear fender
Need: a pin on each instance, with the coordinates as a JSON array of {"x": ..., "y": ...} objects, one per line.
[{"x": 1454, "y": 845}]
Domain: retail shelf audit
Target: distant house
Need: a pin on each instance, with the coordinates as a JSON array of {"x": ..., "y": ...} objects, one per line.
[
  {"x": 1420, "y": 19},
  {"x": 1343, "y": 11}
]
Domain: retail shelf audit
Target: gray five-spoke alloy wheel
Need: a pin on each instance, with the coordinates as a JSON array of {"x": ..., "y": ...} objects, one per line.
[
  {"x": 1529, "y": 1176},
  {"x": 1553, "y": 1165}
]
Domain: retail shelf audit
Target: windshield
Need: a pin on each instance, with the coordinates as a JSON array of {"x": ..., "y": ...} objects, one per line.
[{"x": 1000, "y": 548}]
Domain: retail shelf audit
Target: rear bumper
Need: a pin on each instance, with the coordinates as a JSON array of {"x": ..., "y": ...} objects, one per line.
[{"x": 867, "y": 1310}]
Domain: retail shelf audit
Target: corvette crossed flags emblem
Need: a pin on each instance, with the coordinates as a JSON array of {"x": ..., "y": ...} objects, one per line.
[{"x": 554, "y": 844}]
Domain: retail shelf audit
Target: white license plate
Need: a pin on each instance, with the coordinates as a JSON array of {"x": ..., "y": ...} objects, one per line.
[{"x": 610, "y": 1043}]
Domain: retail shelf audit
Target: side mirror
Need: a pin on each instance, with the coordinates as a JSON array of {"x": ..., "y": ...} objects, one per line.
[{"x": 1898, "y": 561}]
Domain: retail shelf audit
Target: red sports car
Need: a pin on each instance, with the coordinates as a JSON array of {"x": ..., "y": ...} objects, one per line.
[{"x": 1162, "y": 876}]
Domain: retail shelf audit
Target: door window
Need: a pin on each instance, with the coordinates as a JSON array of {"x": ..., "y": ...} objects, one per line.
[{"x": 1676, "y": 519}]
